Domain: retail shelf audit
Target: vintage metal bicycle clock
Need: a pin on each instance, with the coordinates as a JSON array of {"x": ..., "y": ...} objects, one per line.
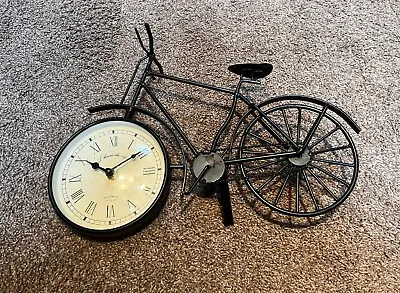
[{"x": 110, "y": 179}]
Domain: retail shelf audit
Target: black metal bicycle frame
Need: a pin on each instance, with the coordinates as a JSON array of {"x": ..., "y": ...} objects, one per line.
[{"x": 149, "y": 73}]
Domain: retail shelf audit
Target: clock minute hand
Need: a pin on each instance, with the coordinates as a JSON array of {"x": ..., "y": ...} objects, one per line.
[{"x": 126, "y": 160}]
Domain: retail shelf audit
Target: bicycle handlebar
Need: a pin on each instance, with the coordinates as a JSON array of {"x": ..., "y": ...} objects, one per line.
[
  {"x": 150, "y": 35},
  {"x": 149, "y": 51}
]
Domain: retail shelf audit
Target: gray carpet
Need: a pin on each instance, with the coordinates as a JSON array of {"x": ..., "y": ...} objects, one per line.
[{"x": 58, "y": 57}]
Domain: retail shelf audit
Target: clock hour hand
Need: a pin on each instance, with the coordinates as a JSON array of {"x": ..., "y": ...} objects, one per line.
[
  {"x": 109, "y": 172},
  {"x": 126, "y": 160}
]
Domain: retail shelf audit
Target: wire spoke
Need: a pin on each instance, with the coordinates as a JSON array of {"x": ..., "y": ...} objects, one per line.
[
  {"x": 322, "y": 184},
  {"x": 324, "y": 137},
  {"x": 314, "y": 127},
  {"x": 333, "y": 162},
  {"x": 298, "y": 125},
  {"x": 314, "y": 200},
  {"x": 280, "y": 131},
  {"x": 281, "y": 190},
  {"x": 265, "y": 165},
  {"x": 297, "y": 190},
  {"x": 266, "y": 141},
  {"x": 331, "y": 175},
  {"x": 331, "y": 149},
  {"x": 255, "y": 152},
  {"x": 272, "y": 178},
  {"x": 286, "y": 123}
]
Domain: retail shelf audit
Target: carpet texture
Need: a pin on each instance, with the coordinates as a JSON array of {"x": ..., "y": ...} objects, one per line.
[{"x": 59, "y": 57}]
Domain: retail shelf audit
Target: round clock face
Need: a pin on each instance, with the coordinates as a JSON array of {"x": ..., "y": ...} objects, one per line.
[{"x": 109, "y": 178}]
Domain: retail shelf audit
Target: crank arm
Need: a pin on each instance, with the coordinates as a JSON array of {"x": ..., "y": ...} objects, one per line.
[{"x": 198, "y": 179}]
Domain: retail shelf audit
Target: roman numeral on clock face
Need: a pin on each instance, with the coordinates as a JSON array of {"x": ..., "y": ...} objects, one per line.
[
  {"x": 131, "y": 206},
  {"x": 149, "y": 171},
  {"x": 76, "y": 178},
  {"x": 77, "y": 195},
  {"x": 110, "y": 211},
  {"x": 91, "y": 207},
  {"x": 113, "y": 141},
  {"x": 131, "y": 144},
  {"x": 79, "y": 160},
  {"x": 95, "y": 147}
]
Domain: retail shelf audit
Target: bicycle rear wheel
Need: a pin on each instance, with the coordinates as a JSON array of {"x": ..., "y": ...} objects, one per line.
[{"x": 309, "y": 184}]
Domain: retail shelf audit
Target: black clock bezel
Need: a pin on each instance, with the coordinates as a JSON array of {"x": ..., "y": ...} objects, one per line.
[{"x": 137, "y": 224}]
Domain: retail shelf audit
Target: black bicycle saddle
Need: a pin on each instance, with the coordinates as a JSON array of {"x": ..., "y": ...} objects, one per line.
[{"x": 251, "y": 70}]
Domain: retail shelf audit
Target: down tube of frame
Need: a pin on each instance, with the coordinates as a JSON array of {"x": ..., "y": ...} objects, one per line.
[{"x": 171, "y": 120}]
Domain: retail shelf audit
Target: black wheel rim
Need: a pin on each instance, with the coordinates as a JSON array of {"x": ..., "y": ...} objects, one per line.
[{"x": 304, "y": 186}]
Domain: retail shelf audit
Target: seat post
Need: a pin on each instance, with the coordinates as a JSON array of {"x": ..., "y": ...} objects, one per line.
[
  {"x": 230, "y": 115},
  {"x": 252, "y": 80}
]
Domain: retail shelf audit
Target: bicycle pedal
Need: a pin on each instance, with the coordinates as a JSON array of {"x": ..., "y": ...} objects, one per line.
[
  {"x": 207, "y": 190},
  {"x": 225, "y": 200}
]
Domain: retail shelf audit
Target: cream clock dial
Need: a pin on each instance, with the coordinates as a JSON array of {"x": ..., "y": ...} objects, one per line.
[{"x": 108, "y": 179}]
